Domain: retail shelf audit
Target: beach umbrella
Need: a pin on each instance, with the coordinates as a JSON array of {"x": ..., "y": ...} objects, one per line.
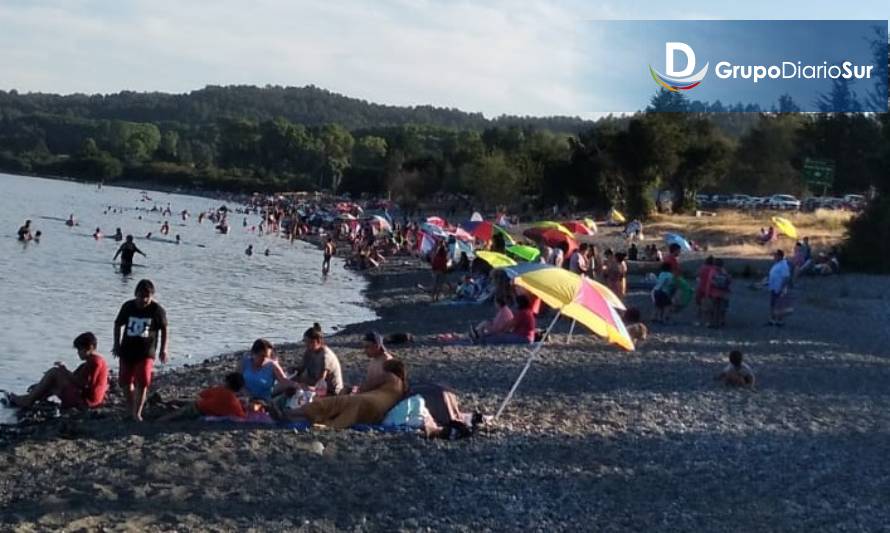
[
  {"x": 785, "y": 227},
  {"x": 553, "y": 238},
  {"x": 577, "y": 227},
  {"x": 462, "y": 234},
  {"x": 570, "y": 295},
  {"x": 381, "y": 223},
  {"x": 616, "y": 217},
  {"x": 547, "y": 224},
  {"x": 495, "y": 259},
  {"x": 508, "y": 239},
  {"x": 679, "y": 240},
  {"x": 476, "y": 217},
  {"x": 436, "y": 221},
  {"x": 433, "y": 230},
  {"x": 526, "y": 253},
  {"x": 480, "y": 229}
]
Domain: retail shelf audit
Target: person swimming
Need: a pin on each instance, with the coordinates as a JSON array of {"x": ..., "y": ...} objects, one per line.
[
  {"x": 267, "y": 253},
  {"x": 249, "y": 250},
  {"x": 178, "y": 240},
  {"x": 71, "y": 222}
]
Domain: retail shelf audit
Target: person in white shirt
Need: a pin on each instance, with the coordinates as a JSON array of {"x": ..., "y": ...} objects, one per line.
[{"x": 777, "y": 282}]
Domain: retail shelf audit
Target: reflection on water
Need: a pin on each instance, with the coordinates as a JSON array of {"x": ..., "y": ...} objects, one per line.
[{"x": 217, "y": 298}]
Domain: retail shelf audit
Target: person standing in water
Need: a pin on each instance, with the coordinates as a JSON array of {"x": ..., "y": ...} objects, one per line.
[
  {"x": 118, "y": 235},
  {"x": 24, "y": 233},
  {"x": 136, "y": 330},
  {"x": 329, "y": 250},
  {"x": 165, "y": 228},
  {"x": 249, "y": 251},
  {"x": 98, "y": 234},
  {"x": 126, "y": 252}
]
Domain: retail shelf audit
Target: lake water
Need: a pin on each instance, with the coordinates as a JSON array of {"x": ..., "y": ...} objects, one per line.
[{"x": 217, "y": 298}]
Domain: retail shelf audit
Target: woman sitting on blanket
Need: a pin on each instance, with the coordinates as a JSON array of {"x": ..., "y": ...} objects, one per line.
[
  {"x": 499, "y": 324},
  {"x": 262, "y": 374},
  {"x": 369, "y": 407}
]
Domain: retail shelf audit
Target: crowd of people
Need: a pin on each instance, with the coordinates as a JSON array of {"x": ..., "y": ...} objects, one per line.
[
  {"x": 315, "y": 392},
  {"x": 259, "y": 388}
]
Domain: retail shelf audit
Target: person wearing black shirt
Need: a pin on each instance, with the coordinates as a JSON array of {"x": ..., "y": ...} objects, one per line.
[
  {"x": 136, "y": 330},
  {"x": 126, "y": 251}
]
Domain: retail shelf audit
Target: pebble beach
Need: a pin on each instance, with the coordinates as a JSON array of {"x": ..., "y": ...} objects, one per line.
[{"x": 595, "y": 439}]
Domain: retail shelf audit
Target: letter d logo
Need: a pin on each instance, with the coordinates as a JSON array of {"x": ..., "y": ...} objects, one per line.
[
  {"x": 675, "y": 80},
  {"x": 669, "y": 50}
]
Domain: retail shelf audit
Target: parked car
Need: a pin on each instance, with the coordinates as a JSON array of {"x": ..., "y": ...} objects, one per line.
[
  {"x": 719, "y": 200},
  {"x": 854, "y": 202},
  {"x": 784, "y": 202},
  {"x": 738, "y": 200}
]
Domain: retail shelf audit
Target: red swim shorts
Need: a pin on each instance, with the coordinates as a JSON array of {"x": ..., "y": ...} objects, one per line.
[{"x": 138, "y": 372}]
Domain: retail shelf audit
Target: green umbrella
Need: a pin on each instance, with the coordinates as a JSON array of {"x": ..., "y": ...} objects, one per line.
[
  {"x": 507, "y": 238},
  {"x": 526, "y": 253}
]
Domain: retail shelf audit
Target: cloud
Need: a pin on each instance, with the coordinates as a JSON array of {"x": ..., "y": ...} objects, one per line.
[{"x": 497, "y": 57}]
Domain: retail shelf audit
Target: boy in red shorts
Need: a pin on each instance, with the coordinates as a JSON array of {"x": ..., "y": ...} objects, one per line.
[
  {"x": 84, "y": 388},
  {"x": 136, "y": 331}
]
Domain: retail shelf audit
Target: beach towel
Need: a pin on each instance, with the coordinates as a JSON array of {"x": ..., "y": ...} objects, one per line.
[{"x": 305, "y": 426}]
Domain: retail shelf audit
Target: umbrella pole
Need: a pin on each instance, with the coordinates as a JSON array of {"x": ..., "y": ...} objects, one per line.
[
  {"x": 571, "y": 331},
  {"x": 527, "y": 365}
]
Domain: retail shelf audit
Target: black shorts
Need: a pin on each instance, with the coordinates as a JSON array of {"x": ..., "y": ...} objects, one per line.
[{"x": 662, "y": 299}]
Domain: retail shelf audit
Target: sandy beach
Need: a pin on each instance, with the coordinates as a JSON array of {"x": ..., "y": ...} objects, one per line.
[{"x": 596, "y": 439}]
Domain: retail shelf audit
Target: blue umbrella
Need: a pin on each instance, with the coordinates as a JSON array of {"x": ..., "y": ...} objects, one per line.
[{"x": 673, "y": 238}]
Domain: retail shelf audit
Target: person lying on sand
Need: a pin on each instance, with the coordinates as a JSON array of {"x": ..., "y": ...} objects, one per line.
[
  {"x": 737, "y": 373},
  {"x": 84, "y": 388},
  {"x": 221, "y": 400},
  {"x": 367, "y": 407}
]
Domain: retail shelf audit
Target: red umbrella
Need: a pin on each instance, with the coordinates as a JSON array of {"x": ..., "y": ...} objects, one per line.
[
  {"x": 481, "y": 230},
  {"x": 577, "y": 227},
  {"x": 553, "y": 238},
  {"x": 436, "y": 221}
]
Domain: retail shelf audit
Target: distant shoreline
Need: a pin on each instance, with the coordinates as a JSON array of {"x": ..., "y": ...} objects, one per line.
[{"x": 140, "y": 186}]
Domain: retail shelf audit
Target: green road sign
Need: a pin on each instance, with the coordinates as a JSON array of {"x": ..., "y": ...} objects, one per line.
[{"x": 818, "y": 172}]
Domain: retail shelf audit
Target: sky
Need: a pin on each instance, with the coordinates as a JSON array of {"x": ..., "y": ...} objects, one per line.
[{"x": 517, "y": 57}]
